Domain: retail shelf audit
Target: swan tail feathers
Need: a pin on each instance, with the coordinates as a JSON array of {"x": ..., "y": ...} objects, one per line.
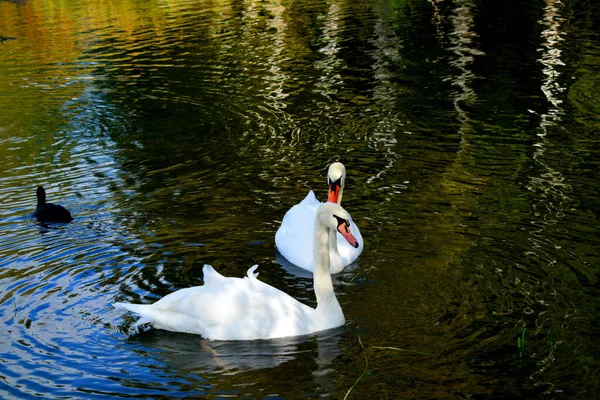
[
  {"x": 251, "y": 270},
  {"x": 136, "y": 308},
  {"x": 142, "y": 321},
  {"x": 210, "y": 275},
  {"x": 143, "y": 310}
]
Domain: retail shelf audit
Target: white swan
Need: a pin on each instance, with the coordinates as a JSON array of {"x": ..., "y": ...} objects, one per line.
[
  {"x": 247, "y": 309},
  {"x": 294, "y": 237}
]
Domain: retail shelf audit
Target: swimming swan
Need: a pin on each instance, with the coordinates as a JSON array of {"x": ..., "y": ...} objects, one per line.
[
  {"x": 294, "y": 237},
  {"x": 226, "y": 308}
]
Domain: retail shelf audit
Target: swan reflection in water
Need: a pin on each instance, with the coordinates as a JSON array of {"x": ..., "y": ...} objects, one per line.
[{"x": 192, "y": 353}]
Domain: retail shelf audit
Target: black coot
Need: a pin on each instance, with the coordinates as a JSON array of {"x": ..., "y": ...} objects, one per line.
[{"x": 48, "y": 212}]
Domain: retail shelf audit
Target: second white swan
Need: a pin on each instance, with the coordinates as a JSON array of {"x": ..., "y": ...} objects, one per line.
[{"x": 294, "y": 237}]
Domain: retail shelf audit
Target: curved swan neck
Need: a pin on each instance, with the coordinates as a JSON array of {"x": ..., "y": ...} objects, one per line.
[
  {"x": 321, "y": 275},
  {"x": 335, "y": 261}
]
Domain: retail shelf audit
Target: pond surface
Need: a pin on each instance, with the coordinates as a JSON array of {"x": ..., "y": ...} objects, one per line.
[{"x": 178, "y": 133}]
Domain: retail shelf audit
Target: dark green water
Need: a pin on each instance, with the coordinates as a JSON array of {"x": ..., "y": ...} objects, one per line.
[{"x": 178, "y": 133}]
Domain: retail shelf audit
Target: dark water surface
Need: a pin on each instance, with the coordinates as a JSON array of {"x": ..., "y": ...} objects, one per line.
[{"x": 179, "y": 132}]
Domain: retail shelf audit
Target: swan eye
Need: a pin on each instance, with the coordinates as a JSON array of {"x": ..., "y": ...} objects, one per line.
[{"x": 343, "y": 221}]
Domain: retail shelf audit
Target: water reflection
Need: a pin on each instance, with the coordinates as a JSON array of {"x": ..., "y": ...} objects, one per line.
[
  {"x": 193, "y": 354},
  {"x": 550, "y": 50},
  {"x": 387, "y": 57},
  {"x": 330, "y": 81},
  {"x": 551, "y": 187},
  {"x": 462, "y": 40}
]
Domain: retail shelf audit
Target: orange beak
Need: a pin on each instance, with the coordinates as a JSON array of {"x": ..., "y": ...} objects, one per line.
[
  {"x": 344, "y": 230},
  {"x": 334, "y": 193}
]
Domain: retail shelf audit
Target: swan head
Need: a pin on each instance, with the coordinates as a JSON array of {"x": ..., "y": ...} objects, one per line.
[
  {"x": 333, "y": 216},
  {"x": 335, "y": 179}
]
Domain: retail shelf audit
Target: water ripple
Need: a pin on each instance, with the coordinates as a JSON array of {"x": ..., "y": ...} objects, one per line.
[{"x": 179, "y": 134}]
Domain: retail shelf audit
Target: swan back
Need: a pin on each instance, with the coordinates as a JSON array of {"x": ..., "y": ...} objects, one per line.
[{"x": 229, "y": 308}]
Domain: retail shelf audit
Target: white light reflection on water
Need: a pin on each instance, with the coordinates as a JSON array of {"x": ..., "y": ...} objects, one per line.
[
  {"x": 549, "y": 181},
  {"x": 550, "y": 208},
  {"x": 387, "y": 56},
  {"x": 464, "y": 47}
]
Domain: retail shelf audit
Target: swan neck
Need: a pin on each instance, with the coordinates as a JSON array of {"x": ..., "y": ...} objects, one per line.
[
  {"x": 342, "y": 184},
  {"x": 321, "y": 275},
  {"x": 335, "y": 261},
  {"x": 333, "y": 245}
]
